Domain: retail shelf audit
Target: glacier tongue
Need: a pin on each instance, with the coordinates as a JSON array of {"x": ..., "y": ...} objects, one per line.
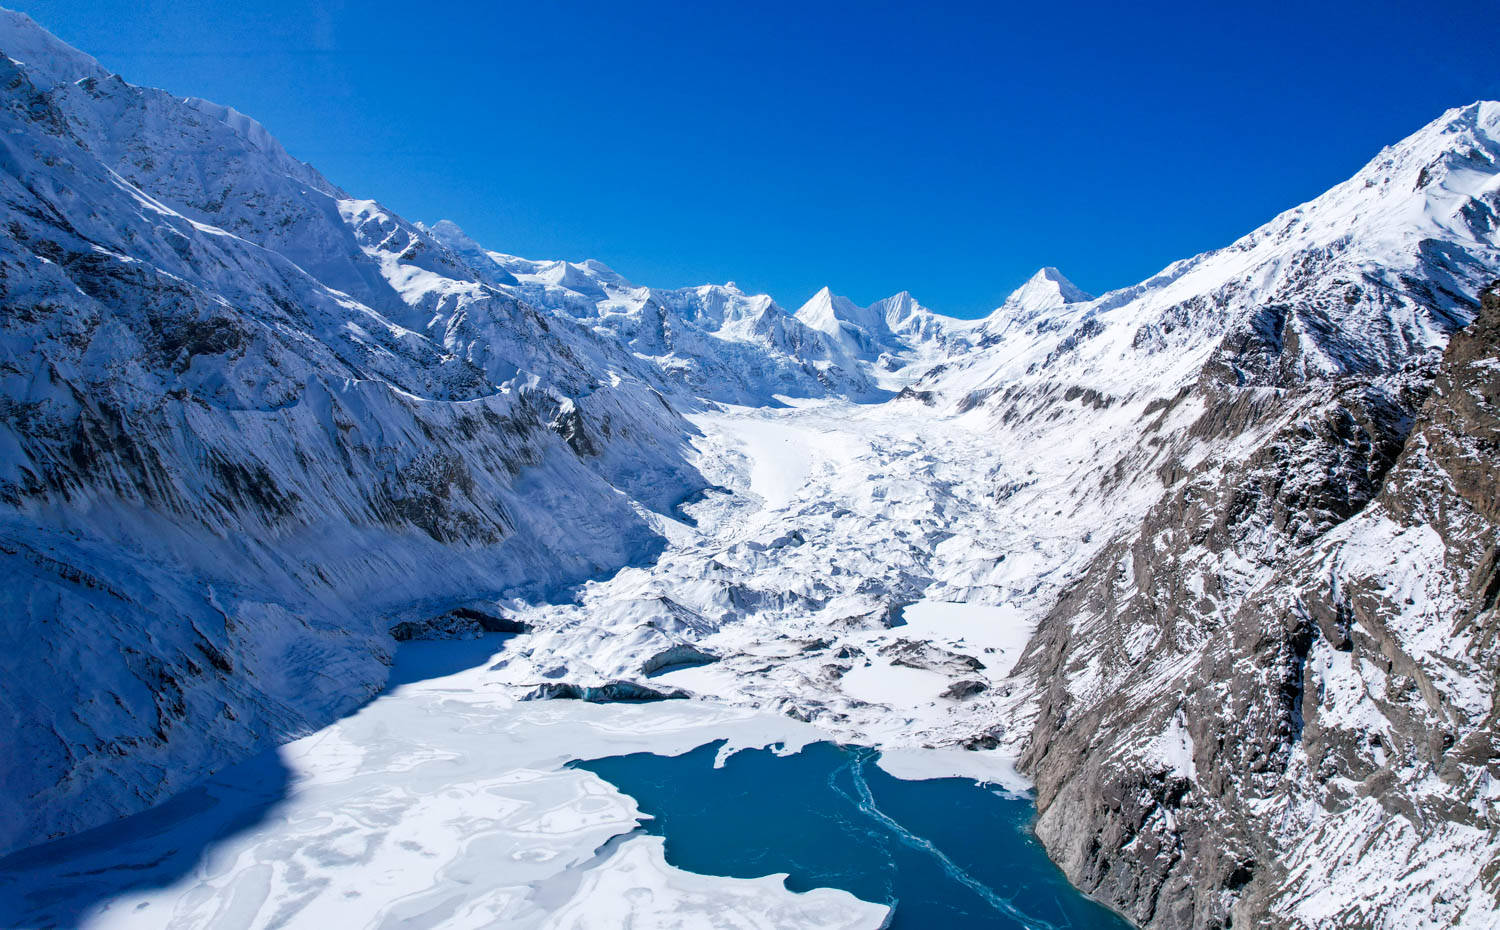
[{"x": 839, "y": 574}]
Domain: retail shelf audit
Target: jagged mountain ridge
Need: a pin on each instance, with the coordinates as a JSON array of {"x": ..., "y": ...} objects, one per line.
[
  {"x": 1392, "y": 257},
  {"x": 888, "y": 331},
  {"x": 237, "y": 397},
  {"x": 722, "y": 344}
]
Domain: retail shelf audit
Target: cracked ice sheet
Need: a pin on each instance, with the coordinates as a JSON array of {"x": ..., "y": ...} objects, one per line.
[{"x": 445, "y": 803}]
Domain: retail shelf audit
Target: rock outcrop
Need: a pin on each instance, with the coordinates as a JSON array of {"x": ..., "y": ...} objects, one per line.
[{"x": 1275, "y": 702}]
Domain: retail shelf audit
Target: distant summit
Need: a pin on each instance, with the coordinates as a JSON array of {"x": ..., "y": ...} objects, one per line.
[
  {"x": 893, "y": 326},
  {"x": 1048, "y": 289}
]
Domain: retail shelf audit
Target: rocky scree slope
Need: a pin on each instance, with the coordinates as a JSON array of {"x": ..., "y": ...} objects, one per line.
[{"x": 249, "y": 422}]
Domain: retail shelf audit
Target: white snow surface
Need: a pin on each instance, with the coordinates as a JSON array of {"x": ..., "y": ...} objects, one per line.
[
  {"x": 856, "y": 562},
  {"x": 446, "y": 803}
]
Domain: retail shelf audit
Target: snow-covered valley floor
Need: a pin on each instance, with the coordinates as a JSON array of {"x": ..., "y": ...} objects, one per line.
[{"x": 447, "y": 800}]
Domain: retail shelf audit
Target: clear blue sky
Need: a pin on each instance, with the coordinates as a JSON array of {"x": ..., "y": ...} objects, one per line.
[{"x": 948, "y": 150}]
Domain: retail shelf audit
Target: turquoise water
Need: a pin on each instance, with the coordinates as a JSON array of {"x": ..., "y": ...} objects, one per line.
[{"x": 948, "y": 854}]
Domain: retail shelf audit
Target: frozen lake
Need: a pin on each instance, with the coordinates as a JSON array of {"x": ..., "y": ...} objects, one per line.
[{"x": 447, "y": 803}]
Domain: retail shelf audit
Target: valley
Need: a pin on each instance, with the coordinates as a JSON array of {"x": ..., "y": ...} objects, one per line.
[{"x": 332, "y": 541}]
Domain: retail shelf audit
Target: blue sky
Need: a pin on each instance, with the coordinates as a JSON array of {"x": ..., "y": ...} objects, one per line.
[{"x": 948, "y": 150}]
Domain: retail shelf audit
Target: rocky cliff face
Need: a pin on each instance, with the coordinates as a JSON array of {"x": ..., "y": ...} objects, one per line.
[
  {"x": 1274, "y": 702},
  {"x": 1209, "y": 749}
]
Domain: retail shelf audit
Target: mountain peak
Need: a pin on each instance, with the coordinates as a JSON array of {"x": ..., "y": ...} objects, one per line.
[
  {"x": 896, "y": 309},
  {"x": 1048, "y": 289},
  {"x": 452, "y": 235},
  {"x": 825, "y": 310}
]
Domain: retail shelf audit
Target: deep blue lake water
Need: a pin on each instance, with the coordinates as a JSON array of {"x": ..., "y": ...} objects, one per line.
[{"x": 949, "y": 854}]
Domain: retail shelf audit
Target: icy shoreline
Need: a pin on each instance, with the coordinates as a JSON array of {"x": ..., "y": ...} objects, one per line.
[{"x": 445, "y": 801}]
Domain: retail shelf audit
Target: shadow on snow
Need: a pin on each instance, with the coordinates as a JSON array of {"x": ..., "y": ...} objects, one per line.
[{"x": 62, "y": 883}]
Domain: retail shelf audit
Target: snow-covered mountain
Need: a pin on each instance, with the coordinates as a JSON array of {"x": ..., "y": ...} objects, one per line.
[
  {"x": 1044, "y": 294},
  {"x": 718, "y": 343},
  {"x": 893, "y": 331},
  {"x": 1159, "y": 479},
  {"x": 250, "y": 421},
  {"x": 1225, "y": 540},
  {"x": 1216, "y": 701}
]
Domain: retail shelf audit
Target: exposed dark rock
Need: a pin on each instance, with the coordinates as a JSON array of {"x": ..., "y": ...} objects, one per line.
[
  {"x": 924, "y": 655},
  {"x": 610, "y": 692},
  {"x": 489, "y": 622},
  {"x": 680, "y": 656},
  {"x": 1185, "y": 703},
  {"x": 458, "y": 623},
  {"x": 964, "y": 688}
]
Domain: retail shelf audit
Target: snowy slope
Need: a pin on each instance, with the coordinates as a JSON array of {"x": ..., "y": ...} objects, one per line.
[
  {"x": 249, "y": 422},
  {"x": 1381, "y": 268},
  {"x": 1044, "y": 294},
  {"x": 1182, "y": 672}
]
